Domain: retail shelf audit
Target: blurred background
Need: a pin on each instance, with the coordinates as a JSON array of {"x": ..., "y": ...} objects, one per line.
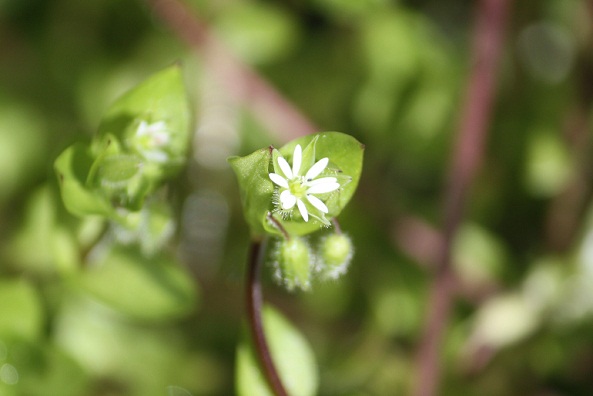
[{"x": 390, "y": 73}]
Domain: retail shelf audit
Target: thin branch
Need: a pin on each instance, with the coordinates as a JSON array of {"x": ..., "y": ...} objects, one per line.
[
  {"x": 242, "y": 83},
  {"x": 254, "y": 301},
  {"x": 336, "y": 225},
  {"x": 469, "y": 147},
  {"x": 274, "y": 221}
]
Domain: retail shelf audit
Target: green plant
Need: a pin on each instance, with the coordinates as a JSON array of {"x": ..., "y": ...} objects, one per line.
[{"x": 289, "y": 195}]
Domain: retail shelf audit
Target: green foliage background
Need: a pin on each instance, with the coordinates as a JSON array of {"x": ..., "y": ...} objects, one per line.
[{"x": 391, "y": 74}]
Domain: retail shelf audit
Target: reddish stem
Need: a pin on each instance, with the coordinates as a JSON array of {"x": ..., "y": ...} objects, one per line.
[
  {"x": 254, "y": 301},
  {"x": 241, "y": 82},
  {"x": 469, "y": 147}
]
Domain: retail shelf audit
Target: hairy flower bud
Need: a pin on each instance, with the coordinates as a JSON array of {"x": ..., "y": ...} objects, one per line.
[
  {"x": 335, "y": 254},
  {"x": 293, "y": 267}
]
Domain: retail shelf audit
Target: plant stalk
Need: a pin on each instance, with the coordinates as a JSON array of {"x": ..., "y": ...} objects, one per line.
[
  {"x": 468, "y": 151},
  {"x": 254, "y": 299},
  {"x": 243, "y": 84}
]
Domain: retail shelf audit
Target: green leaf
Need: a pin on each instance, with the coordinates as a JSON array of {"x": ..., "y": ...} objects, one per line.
[
  {"x": 21, "y": 313},
  {"x": 291, "y": 353},
  {"x": 345, "y": 156},
  {"x": 23, "y": 146},
  {"x": 154, "y": 288},
  {"x": 35, "y": 368},
  {"x": 42, "y": 245},
  {"x": 116, "y": 171},
  {"x": 122, "y": 178},
  {"x": 142, "y": 139},
  {"x": 345, "y": 159},
  {"x": 258, "y": 32},
  {"x": 256, "y": 188},
  {"x": 153, "y": 119},
  {"x": 72, "y": 167}
]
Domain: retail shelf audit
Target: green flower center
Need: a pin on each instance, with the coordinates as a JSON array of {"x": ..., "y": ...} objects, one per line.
[{"x": 297, "y": 188}]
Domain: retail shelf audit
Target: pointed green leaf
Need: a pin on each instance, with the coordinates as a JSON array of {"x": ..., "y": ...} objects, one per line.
[
  {"x": 72, "y": 167},
  {"x": 153, "y": 119},
  {"x": 256, "y": 188},
  {"x": 116, "y": 171},
  {"x": 292, "y": 355},
  {"x": 345, "y": 160}
]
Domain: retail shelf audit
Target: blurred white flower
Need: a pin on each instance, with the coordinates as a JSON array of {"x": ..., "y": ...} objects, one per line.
[{"x": 150, "y": 139}]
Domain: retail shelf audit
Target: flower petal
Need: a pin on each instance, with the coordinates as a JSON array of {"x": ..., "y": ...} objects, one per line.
[
  {"x": 297, "y": 158},
  {"x": 322, "y": 181},
  {"x": 302, "y": 209},
  {"x": 317, "y": 168},
  {"x": 317, "y": 203},
  {"x": 287, "y": 200},
  {"x": 323, "y": 188},
  {"x": 285, "y": 167},
  {"x": 279, "y": 180}
]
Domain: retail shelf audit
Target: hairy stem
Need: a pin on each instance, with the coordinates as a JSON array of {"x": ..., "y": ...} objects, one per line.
[
  {"x": 468, "y": 151},
  {"x": 254, "y": 301},
  {"x": 274, "y": 221},
  {"x": 336, "y": 225}
]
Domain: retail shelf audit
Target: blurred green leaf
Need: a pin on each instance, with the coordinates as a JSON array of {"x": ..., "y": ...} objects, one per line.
[
  {"x": 143, "y": 138},
  {"x": 152, "y": 117},
  {"x": 479, "y": 257},
  {"x": 72, "y": 167},
  {"x": 259, "y": 32},
  {"x": 22, "y": 143},
  {"x": 390, "y": 44},
  {"x": 117, "y": 170},
  {"x": 21, "y": 313},
  {"x": 37, "y": 369},
  {"x": 146, "y": 358},
  {"x": 292, "y": 356},
  {"x": 148, "y": 288},
  {"x": 549, "y": 163}
]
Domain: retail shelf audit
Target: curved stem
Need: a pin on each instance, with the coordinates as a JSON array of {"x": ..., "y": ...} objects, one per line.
[
  {"x": 274, "y": 221},
  {"x": 254, "y": 314},
  {"x": 336, "y": 225}
]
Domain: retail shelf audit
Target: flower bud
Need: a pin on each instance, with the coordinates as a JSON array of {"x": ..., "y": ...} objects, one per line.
[
  {"x": 335, "y": 253},
  {"x": 294, "y": 263}
]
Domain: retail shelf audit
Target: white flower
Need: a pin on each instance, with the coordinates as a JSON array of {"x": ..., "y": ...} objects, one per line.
[
  {"x": 295, "y": 188},
  {"x": 150, "y": 140}
]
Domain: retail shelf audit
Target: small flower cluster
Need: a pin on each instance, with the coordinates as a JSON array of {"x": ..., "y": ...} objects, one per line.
[
  {"x": 299, "y": 187},
  {"x": 150, "y": 141},
  {"x": 296, "y": 262},
  {"x": 294, "y": 195}
]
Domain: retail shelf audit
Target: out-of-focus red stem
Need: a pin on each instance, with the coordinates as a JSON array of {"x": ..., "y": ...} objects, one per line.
[
  {"x": 468, "y": 150},
  {"x": 241, "y": 82}
]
